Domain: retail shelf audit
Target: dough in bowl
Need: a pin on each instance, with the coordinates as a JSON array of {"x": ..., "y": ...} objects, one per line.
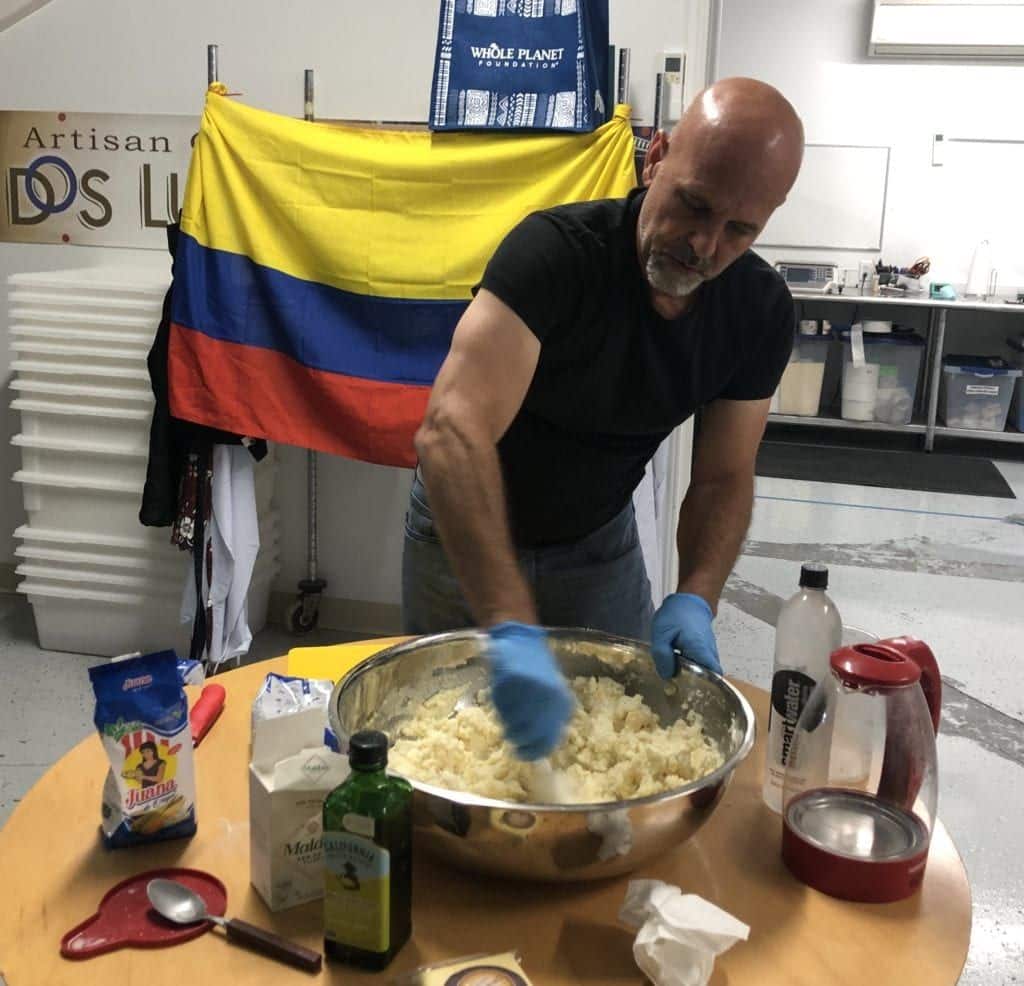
[{"x": 613, "y": 750}]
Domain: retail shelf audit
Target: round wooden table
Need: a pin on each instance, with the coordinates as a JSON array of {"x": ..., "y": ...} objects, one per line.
[{"x": 56, "y": 871}]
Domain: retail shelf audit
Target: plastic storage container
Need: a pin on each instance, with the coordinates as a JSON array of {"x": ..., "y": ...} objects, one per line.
[
  {"x": 126, "y": 428},
  {"x": 1017, "y": 404},
  {"x": 157, "y": 562},
  {"x": 97, "y": 353},
  {"x": 108, "y": 622},
  {"x": 800, "y": 387},
  {"x": 68, "y": 502},
  {"x": 91, "y": 460},
  {"x": 132, "y": 285},
  {"x": 892, "y": 396},
  {"x": 976, "y": 392},
  {"x": 60, "y": 392}
]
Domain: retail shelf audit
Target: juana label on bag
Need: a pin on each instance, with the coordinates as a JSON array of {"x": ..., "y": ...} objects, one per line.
[{"x": 142, "y": 719}]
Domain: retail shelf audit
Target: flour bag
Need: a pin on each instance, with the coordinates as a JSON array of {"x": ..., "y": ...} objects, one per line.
[{"x": 142, "y": 719}]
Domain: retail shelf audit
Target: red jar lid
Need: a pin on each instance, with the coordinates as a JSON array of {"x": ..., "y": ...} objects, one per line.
[{"x": 880, "y": 665}]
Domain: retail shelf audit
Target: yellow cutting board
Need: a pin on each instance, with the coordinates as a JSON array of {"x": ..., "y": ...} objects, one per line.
[{"x": 336, "y": 661}]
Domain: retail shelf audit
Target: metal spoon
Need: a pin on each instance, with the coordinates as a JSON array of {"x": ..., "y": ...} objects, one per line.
[{"x": 180, "y": 904}]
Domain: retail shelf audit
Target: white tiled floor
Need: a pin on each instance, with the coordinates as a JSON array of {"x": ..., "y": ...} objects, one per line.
[{"x": 949, "y": 569}]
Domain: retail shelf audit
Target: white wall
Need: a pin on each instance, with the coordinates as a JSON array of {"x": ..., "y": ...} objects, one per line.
[
  {"x": 372, "y": 62},
  {"x": 816, "y": 54}
]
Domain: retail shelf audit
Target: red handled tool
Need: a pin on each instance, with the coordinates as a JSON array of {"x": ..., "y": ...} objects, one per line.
[{"x": 204, "y": 713}]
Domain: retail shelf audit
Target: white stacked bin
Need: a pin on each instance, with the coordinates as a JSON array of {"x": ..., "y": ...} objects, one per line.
[{"x": 98, "y": 581}]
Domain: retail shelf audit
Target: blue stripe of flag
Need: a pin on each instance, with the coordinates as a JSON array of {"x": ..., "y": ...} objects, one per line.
[{"x": 229, "y": 297}]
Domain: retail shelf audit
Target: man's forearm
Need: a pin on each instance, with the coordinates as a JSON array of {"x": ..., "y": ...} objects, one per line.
[
  {"x": 713, "y": 522},
  {"x": 467, "y": 498}
]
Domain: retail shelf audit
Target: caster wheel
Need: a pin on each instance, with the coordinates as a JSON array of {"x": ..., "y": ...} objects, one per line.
[{"x": 301, "y": 617}]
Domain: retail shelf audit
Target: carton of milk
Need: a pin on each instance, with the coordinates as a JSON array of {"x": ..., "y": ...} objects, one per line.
[{"x": 291, "y": 773}]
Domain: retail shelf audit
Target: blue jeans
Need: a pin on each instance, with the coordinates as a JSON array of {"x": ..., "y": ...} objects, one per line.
[{"x": 599, "y": 581}]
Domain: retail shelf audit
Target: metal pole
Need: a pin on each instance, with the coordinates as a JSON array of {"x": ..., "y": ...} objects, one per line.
[
  {"x": 312, "y": 480},
  {"x": 308, "y": 101},
  {"x": 211, "y": 65},
  {"x": 658, "y": 86},
  {"x": 311, "y": 516},
  {"x": 939, "y": 323},
  {"x": 622, "y": 92}
]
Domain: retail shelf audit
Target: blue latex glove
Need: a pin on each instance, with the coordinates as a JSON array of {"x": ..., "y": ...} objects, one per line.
[
  {"x": 532, "y": 698},
  {"x": 683, "y": 623}
]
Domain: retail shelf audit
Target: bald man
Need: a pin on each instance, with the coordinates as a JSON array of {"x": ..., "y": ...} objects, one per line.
[{"x": 597, "y": 329}]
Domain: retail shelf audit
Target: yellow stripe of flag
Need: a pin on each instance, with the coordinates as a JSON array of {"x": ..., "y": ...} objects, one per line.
[{"x": 390, "y": 213}]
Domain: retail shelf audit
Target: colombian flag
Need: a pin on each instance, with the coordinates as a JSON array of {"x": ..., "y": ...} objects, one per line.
[{"x": 321, "y": 269}]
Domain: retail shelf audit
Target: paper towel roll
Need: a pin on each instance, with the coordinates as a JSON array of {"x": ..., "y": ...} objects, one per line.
[{"x": 860, "y": 388}]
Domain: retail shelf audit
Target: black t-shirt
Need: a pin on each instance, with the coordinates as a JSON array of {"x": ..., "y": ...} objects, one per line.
[{"x": 614, "y": 378}]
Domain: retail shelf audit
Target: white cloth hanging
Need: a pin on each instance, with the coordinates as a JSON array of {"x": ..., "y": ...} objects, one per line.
[
  {"x": 234, "y": 539},
  {"x": 649, "y": 503}
]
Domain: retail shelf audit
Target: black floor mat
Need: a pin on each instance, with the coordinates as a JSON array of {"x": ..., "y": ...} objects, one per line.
[{"x": 930, "y": 472}]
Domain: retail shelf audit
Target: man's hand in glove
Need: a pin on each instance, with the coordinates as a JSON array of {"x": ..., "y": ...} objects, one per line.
[
  {"x": 683, "y": 624},
  {"x": 532, "y": 697}
]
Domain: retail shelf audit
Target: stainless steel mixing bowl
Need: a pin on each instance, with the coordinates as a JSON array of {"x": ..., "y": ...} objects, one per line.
[{"x": 534, "y": 841}]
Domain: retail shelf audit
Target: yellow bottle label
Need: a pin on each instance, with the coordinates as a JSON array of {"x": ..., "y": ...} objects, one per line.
[{"x": 357, "y": 892}]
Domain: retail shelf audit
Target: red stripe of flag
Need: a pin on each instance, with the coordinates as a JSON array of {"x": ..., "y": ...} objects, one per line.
[{"x": 264, "y": 394}]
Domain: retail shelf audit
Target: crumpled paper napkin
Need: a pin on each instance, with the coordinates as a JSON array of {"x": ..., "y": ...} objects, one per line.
[{"x": 679, "y": 935}]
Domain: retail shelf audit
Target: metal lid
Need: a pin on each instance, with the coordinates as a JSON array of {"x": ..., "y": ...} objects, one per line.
[
  {"x": 880, "y": 665},
  {"x": 856, "y": 825}
]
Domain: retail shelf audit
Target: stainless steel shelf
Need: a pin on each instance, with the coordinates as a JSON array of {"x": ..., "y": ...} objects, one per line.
[
  {"x": 983, "y": 436},
  {"x": 793, "y": 419},
  {"x": 914, "y": 429},
  {"x": 938, "y": 310},
  {"x": 960, "y": 304}
]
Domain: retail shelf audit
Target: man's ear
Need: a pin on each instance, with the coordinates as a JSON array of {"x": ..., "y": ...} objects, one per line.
[{"x": 656, "y": 152}]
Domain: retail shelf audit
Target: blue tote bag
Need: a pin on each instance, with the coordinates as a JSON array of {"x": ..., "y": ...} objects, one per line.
[{"x": 520, "y": 65}]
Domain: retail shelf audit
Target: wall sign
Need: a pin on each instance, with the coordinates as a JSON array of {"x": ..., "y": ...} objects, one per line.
[{"x": 92, "y": 179}]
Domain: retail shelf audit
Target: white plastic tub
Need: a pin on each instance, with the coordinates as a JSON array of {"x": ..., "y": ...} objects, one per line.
[
  {"x": 167, "y": 561},
  {"x": 95, "y": 336},
  {"x": 105, "y": 623},
  {"x": 103, "y": 395},
  {"x": 143, "y": 541},
  {"x": 79, "y": 503},
  {"x": 99, "y": 354},
  {"x": 67, "y": 502},
  {"x": 123, "y": 282},
  {"x": 111, "y": 303},
  {"x": 126, "y": 428},
  {"x": 90, "y": 459},
  {"x": 62, "y": 369},
  {"x": 111, "y": 622},
  {"x": 144, "y": 544},
  {"x": 156, "y": 581},
  {"x": 70, "y": 320}
]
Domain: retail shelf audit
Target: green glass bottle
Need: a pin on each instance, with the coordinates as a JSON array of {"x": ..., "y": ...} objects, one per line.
[{"x": 368, "y": 859}]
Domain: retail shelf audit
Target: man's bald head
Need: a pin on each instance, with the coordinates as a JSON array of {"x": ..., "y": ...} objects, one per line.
[
  {"x": 739, "y": 123},
  {"x": 729, "y": 164}
]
